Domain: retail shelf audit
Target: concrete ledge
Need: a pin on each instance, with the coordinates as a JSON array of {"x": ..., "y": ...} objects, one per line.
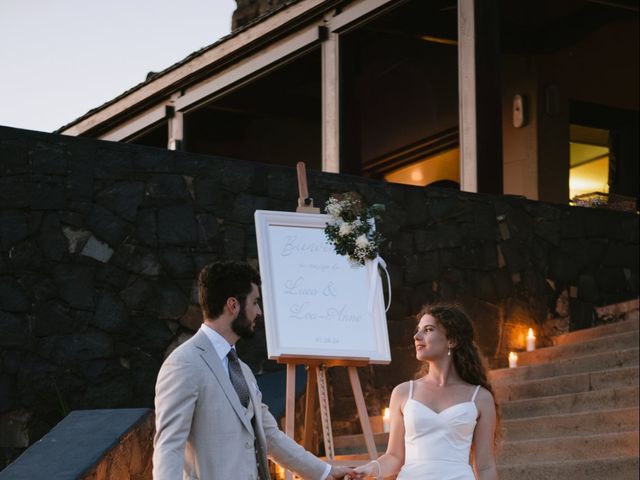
[
  {"x": 76, "y": 446},
  {"x": 598, "y": 332},
  {"x": 609, "y": 399},
  {"x": 617, "y": 468},
  {"x": 618, "y": 309},
  {"x": 568, "y": 366},
  {"x": 572, "y": 424},
  {"x": 564, "y": 384},
  {"x": 558, "y": 449},
  {"x": 619, "y": 341}
]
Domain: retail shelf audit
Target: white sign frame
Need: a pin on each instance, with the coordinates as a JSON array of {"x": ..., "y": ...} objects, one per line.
[{"x": 316, "y": 304}]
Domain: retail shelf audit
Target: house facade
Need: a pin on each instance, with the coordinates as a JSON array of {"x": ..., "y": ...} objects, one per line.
[{"x": 528, "y": 98}]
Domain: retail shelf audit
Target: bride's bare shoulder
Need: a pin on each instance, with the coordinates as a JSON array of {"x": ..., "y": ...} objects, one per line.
[
  {"x": 399, "y": 396},
  {"x": 401, "y": 390}
]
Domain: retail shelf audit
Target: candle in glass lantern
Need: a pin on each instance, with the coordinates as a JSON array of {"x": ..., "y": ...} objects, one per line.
[
  {"x": 531, "y": 341},
  {"x": 513, "y": 359},
  {"x": 386, "y": 420}
]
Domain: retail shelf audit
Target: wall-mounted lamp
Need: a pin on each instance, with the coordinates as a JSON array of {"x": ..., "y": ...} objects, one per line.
[{"x": 520, "y": 111}]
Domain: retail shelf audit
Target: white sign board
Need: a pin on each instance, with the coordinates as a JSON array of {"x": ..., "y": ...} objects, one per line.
[{"x": 316, "y": 304}]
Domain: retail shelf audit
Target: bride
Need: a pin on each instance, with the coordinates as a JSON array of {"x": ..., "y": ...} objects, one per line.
[{"x": 444, "y": 424}]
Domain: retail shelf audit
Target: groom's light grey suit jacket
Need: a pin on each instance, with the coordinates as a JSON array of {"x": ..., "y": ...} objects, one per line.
[{"x": 202, "y": 430}]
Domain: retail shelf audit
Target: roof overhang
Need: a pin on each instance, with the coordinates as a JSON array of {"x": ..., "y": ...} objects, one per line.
[{"x": 253, "y": 48}]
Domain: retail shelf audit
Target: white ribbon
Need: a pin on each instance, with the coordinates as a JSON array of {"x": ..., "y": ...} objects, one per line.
[{"x": 373, "y": 283}]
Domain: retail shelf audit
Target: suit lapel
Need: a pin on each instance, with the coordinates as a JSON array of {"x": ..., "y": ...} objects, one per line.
[{"x": 213, "y": 362}]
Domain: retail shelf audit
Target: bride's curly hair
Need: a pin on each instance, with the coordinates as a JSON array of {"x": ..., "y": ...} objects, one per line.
[{"x": 469, "y": 363}]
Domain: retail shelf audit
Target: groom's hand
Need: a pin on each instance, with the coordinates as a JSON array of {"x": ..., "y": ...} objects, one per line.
[
  {"x": 365, "y": 471},
  {"x": 340, "y": 472}
]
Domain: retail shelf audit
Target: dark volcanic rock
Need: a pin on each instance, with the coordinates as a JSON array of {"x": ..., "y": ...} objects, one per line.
[
  {"x": 13, "y": 228},
  {"x": 111, "y": 313},
  {"x": 13, "y": 297},
  {"x": 177, "y": 225},
  {"x": 107, "y": 226},
  {"x": 122, "y": 198},
  {"x": 69, "y": 349},
  {"x": 14, "y": 330},
  {"x": 75, "y": 284}
]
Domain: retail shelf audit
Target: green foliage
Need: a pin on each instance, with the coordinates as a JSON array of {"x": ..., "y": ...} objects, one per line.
[{"x": 351, "y": 228}]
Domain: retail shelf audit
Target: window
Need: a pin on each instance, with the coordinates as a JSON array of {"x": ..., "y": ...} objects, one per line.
[
  {"x": 589, "y": 161},
  {"x": 441, "y": 167}
]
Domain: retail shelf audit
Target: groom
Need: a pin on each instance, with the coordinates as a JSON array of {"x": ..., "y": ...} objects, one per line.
[{"x": 211, "y": 423}]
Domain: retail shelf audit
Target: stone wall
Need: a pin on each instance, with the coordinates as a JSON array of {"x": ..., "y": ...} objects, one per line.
[{"x": 100, "y": 245}]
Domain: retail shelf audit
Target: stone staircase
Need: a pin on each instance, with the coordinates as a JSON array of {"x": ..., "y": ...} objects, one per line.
[{"x": 571, "y": 410}]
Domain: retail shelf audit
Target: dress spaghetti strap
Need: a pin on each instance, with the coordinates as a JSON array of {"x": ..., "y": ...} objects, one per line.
[
  {"x": 475, "y": 393},
  {"x": 410, "y": 388}
]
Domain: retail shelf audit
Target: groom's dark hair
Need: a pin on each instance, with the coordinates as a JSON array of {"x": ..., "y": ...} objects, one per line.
[{"x": 220, "y": 280}]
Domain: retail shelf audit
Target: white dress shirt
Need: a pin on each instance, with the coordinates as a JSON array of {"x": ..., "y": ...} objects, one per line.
[{"x": 220, "y": 345}]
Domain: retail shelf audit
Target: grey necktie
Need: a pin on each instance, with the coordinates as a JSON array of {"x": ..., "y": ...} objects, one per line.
[{"x": 237, "y": 378}]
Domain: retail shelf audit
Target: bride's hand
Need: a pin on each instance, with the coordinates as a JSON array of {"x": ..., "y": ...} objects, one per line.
[{"x": 371, "y": 469}]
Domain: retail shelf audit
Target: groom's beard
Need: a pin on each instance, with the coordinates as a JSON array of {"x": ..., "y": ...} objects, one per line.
[{"x": 242, "y": 326}]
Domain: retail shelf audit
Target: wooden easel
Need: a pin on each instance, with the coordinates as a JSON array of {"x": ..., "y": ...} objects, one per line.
[{"x": 317, "y": 374}]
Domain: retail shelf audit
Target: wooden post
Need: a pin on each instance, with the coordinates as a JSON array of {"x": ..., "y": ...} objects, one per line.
[
  {"x": 325, "y": 413},
  {"x": 467, "y": 96},
  {"x": 175, "y": 125},
  {"x": 309, "y": 408},
  {"x": 331, "y": 103},
  {"x": 290, "y": 407},
  {"x": 305, "y": 203}
]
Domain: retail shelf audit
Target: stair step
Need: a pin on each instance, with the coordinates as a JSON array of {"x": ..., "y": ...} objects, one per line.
[
  {"x": 619, "y": 309},
  {"x": 597, "y": 332},
  {"x": 606, "y": 399},
  {"x": 569, "y": 448},
  {"x": 619, "y": 341},
  {"x": 354, "y": 444},
  {"x": 616, "y": 468},
  {"x": 584, "y": 423},
  {"x": 567, "y": 366},
  {"x": 581, "y": 382}
]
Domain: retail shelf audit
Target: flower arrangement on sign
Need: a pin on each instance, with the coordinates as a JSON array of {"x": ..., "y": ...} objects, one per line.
[{"x": 351, "y": 227}]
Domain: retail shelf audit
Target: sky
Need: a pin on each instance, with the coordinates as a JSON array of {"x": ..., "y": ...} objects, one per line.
[{"x": 61, "y": 58}]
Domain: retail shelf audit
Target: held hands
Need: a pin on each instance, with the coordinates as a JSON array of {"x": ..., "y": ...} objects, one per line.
[
  {"x": 368, "y": 470},
  {"x": 341, "y": 472}
]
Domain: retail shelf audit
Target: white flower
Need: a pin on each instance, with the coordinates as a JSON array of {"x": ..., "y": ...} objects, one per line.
[
  {"x": 345, "y": 229},
  {"x": 335, "y": 222},
  {"x": 334, "y": 209},
  {"x": 362, "y": 241}
]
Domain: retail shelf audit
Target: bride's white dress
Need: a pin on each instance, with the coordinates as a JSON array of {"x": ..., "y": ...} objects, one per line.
[{"x": 437, "y": 444}]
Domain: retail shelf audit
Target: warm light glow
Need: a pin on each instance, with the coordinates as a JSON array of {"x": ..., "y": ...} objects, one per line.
[
  {"x": 386, "y": 420},
  {"x": 416, "y": 176},
  {"x": 589, "y": 170},
  {"x": 531, "y": 341},
  {"x": 442, "y": 166},
  {"x": 513, "y": 359}
]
